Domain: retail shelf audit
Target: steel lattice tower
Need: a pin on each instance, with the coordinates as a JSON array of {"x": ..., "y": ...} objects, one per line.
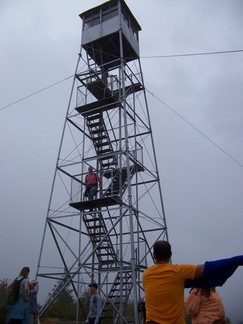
[{"x": 107, "y": 126}]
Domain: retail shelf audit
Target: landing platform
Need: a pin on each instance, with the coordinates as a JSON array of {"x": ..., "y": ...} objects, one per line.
[{"x": 96, "y": 203}]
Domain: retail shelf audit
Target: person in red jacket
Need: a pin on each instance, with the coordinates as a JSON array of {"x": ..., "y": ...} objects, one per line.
[
  {"x": 92, "y": 180},
  {"x": 164, "y": 284}
]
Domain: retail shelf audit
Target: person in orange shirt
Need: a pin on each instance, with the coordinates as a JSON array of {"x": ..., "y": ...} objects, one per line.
[
  {"x": 164, "y": 286},
  {"x": 205, "y": 306},
  {"x": 164, "y": 283},
  {"x": 91, "y": 182}
]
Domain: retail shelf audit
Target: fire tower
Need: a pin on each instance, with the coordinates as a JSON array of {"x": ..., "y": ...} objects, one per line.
[{"x": 106, "y": 239}]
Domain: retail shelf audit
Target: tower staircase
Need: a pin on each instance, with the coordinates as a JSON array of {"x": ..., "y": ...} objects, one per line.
[
  {"x": 118, "y": 295},
  {"x": 101, "y": 141},
  {"x": 56, "y": 291},
  {"x": 99, "y": 238}
]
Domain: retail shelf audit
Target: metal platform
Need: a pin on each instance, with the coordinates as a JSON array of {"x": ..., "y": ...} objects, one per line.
[{"x": 96, "y": 203}]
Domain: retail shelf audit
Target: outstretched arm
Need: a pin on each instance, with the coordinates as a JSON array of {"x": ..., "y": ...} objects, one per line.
[
  {"x": 199, "y": 271},
  {"x": 216, "y": 272}
]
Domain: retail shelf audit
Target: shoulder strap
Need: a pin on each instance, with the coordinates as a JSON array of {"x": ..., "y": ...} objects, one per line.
[{"x": 96, "y": 177}]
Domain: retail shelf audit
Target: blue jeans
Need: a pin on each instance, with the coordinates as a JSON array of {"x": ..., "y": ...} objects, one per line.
[{"x": 91, "y": 191}]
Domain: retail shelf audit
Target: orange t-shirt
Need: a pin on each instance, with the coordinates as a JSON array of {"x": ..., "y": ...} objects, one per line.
[{"x": 164, "y": 292}]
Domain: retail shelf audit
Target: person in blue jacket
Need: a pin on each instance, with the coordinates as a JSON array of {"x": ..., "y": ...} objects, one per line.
[{"x": 95, "y": 305}]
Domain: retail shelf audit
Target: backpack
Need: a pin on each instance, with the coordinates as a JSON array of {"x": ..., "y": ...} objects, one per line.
[
  {"x": 192, "y": 303},
  {"x": 13, "y": 293}
]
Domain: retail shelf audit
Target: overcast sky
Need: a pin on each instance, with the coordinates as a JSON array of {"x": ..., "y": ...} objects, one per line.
[{"x": 198, "y": 133}]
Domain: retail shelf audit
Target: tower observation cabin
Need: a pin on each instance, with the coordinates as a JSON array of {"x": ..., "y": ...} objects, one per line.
[
  {"x": 106, "y": 208},
  {"x": 110, "y": 33}
]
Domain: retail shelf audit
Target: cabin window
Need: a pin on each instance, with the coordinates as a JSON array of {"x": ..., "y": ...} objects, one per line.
[
  {"x": 125, "y": 16},
  {"x": 92, "y": 19},
  {"x": 129, "y": 23},
  {"x": 96, "y": 18},
  {"x": 109, "y": 11},
  {"x": 87, "y": 21},
  {"x": 134, "y": 31}
]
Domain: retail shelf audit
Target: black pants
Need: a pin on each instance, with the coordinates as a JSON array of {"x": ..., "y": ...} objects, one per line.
[{"x": 92, "y": 320}]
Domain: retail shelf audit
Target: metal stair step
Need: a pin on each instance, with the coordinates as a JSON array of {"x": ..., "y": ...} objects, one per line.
[
  {"x": 104, "y": 151},
  {"x": 101, "y": 144},
  {"x": 97, "y": 131},
  {"x": 105, "y": 254},
  {"x": 95, "y": 124},
  {"x": 106, "y": 261},
  {"x": 100, "y": 138},
  {"x": 86, "y": 220},
  {"x": 104, "y": 165},
  {"x": 93, "y": 117}
]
